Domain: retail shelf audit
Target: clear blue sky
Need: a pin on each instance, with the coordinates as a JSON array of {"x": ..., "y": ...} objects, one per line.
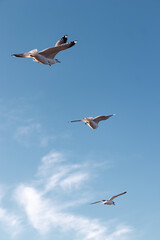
[{"x": 51, "y": 169}]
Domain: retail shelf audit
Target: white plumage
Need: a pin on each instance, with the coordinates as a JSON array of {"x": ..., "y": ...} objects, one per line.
[
  {"x": 93, "y": 122},
  {"x": 110, "y": 201},
  {"x": 47, "y": 56}
]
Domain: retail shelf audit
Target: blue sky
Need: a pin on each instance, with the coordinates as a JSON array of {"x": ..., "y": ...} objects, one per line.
[{"x": 51, "y": 169}]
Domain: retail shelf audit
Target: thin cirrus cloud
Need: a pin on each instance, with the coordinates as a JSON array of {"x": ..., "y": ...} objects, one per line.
[
  {"x": 44, "y": 208},
  {"x": 43, "y": 216},
  {"x": 26, "y": 130},
  {"x": 57, "y": 174},
  {"x": 9, "y": 221},
  {"x": 25, "y": 133},
  {"x": 73, "y": 180}
]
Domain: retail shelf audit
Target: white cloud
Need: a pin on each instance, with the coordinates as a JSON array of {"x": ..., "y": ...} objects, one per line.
[
  {"x": 52, "y": 203},
  {"x": 34, "y": 207},
  {"x": 25, "y": 134},
  {"x": 56, "y": 172},
  {"x": 73, "y": 180},
  {"x": 27, "y": 129},
  {"x": 21, "y": 125},
  {"x": 49, "y": 160},
  {"x": 32, "y": 131},
  {"x": 51, "y": 212},
  {"x": 45, "y": 216},
  {"x": 10, "y": 221},
  {"x": 121, "y": 232},
  {"x": 45, "y": 140}
]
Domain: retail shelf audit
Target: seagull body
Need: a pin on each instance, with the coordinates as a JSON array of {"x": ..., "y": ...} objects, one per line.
[
  {"x": 110, "y": 201},
  {"x": 93, "y": 122},
  {"x": 47, "y": 56}
]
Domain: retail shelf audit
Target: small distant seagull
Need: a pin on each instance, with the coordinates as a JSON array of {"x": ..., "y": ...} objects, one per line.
[
  {"x": 93, "y": 122},
  {"x": 47, "y": 56},
  {"x": 110, "y": 201}
]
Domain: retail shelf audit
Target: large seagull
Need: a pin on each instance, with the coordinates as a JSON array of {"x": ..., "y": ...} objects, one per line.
[
  {"x": 110, "y": 201},
  {"x": 47, "y": 56},
  {"x": 93, "y": 122}
]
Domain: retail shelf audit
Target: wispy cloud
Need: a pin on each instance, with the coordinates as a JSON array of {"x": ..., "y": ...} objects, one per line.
[
  {"x": 46, "y": 210},
  {"x": 27, "y": 129},
  {"x": 25, "y": 134},
  {"x": 43, "y": 215},
  {"x": 73, "y": 180},
  {"x": 19, "y": 124},
  {"x": 56, "y": 172},
  {"x": 49, "y": 162},
  {"x": 11, "y": 222},
  {"x": 52, "y": 200}
]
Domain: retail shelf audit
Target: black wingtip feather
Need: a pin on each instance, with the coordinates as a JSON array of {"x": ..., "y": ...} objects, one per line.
[
  {"x": 73, "y": 43},
  {"x": 16, "y": 55},
  {"x": 65, "y": 37}
]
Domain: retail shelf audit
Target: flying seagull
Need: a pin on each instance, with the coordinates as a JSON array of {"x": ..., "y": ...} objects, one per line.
[
  {"x": 93, "y": 122},
  {"x": 110, "y": 201},
  {"x": 47, "y": 56}
]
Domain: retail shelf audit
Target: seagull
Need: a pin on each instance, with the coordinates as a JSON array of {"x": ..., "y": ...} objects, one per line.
[
  {"x": 93, "y": 122},
  {"x": 47, "y": 56},
  {"x": 110, "y": 201}
]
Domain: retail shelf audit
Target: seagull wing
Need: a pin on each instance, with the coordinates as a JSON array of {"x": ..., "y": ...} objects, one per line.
[
  {"x": 77, "y": 120},
  {"x": 100, "y": 118},
  {"x": 24, "y": 55},
  {"x": 62, "y": 40},
  {"x": 51, "y": 52},
  {"x": 27, "y": 54},
  {"x": 97, "y": 202},
  {"x": 81, "y": 120},
  {"x": 117, "y": 195}
]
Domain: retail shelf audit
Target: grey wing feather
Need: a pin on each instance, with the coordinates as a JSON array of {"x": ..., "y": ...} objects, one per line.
[
  {"x": 31, "y": 53},
  {"x": 62, "y": 40},
  {"x": 117, "y": 195},
  {"x": 76, "y": 120},
  {"x": 24, "y": 55},
  {"x": 98, "y": 201},
  {"x": 51, "y": 52},
  {"x": 100, "y": 118}
]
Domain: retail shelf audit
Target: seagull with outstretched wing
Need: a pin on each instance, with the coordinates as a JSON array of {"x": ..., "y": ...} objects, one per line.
[
  {"x": 93, "y": 122},
  {"x": 47, "y": 56},
  {"x": 110, "y": 201}
]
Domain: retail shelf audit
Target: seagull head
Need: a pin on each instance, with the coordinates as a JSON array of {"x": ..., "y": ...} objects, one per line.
[{"x": 57, "y": 61}]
